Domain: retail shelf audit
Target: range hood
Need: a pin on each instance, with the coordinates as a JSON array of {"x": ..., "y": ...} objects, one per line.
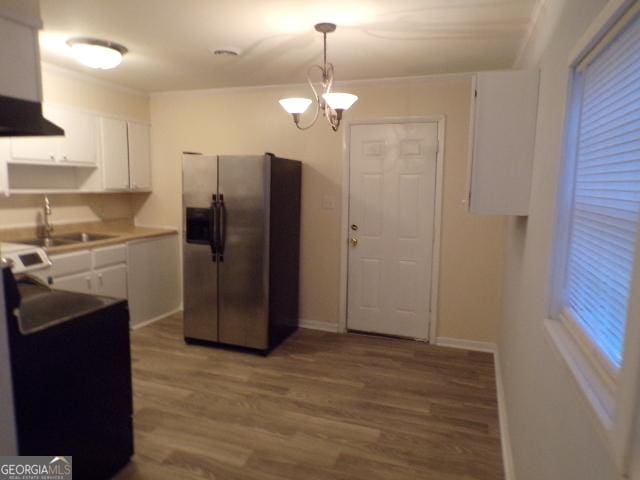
[
  {"x": 20, "y": 80},
  {"x": 19, "y": 118}
]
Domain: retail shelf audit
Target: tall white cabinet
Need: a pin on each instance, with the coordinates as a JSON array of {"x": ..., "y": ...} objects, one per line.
[
  {"x": 503, "y": 125},
  {"x": 125, "y": 153}
]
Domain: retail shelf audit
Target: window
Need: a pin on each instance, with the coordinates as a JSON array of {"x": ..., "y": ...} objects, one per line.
[
  {"x": 604, "y": 214},
  {"x": 595, "y": 311}
]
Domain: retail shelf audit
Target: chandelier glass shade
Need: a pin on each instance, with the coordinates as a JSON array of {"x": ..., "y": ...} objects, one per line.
[{"x": 331, "y": 104}]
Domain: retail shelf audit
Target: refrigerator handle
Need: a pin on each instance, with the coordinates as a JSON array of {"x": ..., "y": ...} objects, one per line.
[
  {"x": 213, "y": 223},
  {"x": 222, "y": 231}
]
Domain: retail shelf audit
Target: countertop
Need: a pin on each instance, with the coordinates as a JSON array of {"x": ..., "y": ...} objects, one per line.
[
  {"x": 121, "y": 231},
  {"x": 135, "y": 233}
]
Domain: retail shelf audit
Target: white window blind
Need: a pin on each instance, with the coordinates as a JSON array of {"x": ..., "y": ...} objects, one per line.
[{"x": 605, "y": 217}]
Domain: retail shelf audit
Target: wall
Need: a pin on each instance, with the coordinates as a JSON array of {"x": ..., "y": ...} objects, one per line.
[
  {"x": 552, "y": 432},
  {"x": 66, "y": 88},
  {"x": 250, "y": 121}
]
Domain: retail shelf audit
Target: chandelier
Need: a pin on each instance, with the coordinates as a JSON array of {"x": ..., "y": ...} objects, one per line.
[{"x": 331, "y": 104}]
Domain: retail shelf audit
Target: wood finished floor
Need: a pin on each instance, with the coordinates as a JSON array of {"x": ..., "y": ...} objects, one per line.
[{"x": 321, "y": 406}]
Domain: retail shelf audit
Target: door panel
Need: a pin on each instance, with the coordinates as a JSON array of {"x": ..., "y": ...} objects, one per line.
[
  {"x": 139, "y": 156},
  {"x": 80, "y": 282},
  {"x": 243, "y": 267},
  {"x": 391, "y": 211},
  {"x": 112, "y": 281},
  {"x": 115, "y": 158},
  {"x": 199, "y": 180},
  {"x": 80, "y": 141}
]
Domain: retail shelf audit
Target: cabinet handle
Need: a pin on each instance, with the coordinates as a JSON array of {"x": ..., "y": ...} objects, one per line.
[
  {"x": 88, "y": 279},
  {"x": 52, "y": 157},
  {"x": 100, "y": 278},
  {"x": 64, "y": 157}
]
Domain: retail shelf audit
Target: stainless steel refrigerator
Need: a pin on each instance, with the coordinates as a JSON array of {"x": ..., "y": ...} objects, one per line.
[{"x": 241, "y": 244}]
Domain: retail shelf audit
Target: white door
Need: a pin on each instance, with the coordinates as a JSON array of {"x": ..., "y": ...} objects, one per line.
[
  {"x": 112, "y": 281},
  {"x": 139, "y": 157},
  {"x": 115, "y": 154},
  {"x": 391, "y": 227}
]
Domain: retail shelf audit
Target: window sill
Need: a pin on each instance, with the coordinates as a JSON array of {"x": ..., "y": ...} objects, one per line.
[{"x": 595, "y": 391}]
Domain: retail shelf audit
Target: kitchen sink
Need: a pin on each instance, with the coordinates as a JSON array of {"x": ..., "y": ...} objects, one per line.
[
  {"x": 47, "y": 242},
  {"x": 82, "y": 237},
  {"x": 68, "y": 239}
]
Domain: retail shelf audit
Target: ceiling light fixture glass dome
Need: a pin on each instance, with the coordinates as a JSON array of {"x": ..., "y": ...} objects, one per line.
[{"x": 96, "y": 53}]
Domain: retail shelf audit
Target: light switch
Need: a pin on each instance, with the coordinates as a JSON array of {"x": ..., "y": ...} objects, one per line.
[{"x": 328, "y": 202}]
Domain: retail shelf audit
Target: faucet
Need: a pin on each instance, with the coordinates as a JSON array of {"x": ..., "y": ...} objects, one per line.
[{"x": 48, "y": 227}]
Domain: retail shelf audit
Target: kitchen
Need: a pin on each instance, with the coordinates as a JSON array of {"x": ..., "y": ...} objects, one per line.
[{"x": 107, "y": 205}]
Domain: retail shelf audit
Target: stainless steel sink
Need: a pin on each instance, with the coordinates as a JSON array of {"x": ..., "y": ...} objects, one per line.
[
  {"x": 82, "y": 237},
  {"x": 47, "y": 242},
  {"x": 68, "y": 239}
]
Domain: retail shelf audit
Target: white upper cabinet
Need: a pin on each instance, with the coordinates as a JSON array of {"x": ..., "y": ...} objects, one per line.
[
  {"x": 503, "y": 126},
  {"x": 115, "y": 156},
  {"x": 139, "y": 156},
  {"x": 78, "y": 147},
  {"x": 79, "y": 144},
  {"x": 34, "y": 149},
  {"x": 125, "y": 155}
]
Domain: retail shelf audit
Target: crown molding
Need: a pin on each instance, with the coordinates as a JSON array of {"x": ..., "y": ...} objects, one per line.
[
  {"x": 436, "y": 78},
  {"x": 72, "y": 74}
]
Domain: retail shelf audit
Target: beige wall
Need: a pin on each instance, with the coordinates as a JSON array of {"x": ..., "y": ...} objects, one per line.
[
  {"x": 553, "y": 433},
  {"x": 250, "y": 121},
  {"x": 66, "y": 88}
]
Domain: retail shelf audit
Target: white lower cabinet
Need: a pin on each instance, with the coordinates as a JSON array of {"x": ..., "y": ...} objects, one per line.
[
  {"x": 101, "y": 271},
  {"x": 154, "y": 282},
  {"x": 79, "y": 282},
  {"x": 111, "y": 281},
  {"x": 146, "y": 272}
]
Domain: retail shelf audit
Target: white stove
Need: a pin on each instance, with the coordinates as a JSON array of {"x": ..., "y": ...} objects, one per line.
[{"x": 24, "y": 258}]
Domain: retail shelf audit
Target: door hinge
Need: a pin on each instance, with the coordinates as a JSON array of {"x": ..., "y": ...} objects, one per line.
[{"x": 475, "y": 93}]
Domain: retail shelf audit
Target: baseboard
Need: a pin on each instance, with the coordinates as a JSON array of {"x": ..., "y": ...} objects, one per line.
[
  {"x": 466, "y": 344},
  {"x": 317, "y": 325},
  {"x": 505, "y": 439},
  {"x": 155, "y": 319}
]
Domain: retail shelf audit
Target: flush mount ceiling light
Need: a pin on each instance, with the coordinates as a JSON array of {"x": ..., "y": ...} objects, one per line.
[
  {"x": 332, "y": 104},
  {"x": 95, "y": 53}
]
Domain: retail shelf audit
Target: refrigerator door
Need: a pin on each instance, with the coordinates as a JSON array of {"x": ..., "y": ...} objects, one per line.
[
  {"x": 244, "y": 251},
  {"x": 200, "y": 274}
]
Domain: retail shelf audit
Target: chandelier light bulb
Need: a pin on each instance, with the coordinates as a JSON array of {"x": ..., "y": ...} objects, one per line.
[
  {"x": 295, "y": 105},
  {"x": 339, "y": 101}
]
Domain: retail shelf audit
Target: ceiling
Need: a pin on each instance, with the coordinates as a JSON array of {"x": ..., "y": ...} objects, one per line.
[{"x": 169, "y": 41}]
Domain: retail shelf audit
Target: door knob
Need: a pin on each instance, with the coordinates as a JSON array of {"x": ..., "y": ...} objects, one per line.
[
  {"x": 354, "y": 227},
  {"x": 353, "y": 241}
]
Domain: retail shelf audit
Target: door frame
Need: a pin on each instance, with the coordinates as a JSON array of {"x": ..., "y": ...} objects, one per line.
[{"x": 439, "y": 120}]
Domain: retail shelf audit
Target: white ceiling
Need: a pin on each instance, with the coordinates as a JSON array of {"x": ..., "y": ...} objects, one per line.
[{"x": 169, "y": 40}]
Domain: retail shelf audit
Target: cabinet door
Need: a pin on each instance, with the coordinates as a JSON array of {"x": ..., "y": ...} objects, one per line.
[
  {"x": 504, "y": 125},
  {"x": 154, "y": 278},
  {"x": 139, "y": 156},
  {"x": 79, "y": 282},
  {"x": 80, "y": 144},
  {"x": 112, "y": 281},
  {"x": 115, "y": 155},
  {"x": 35, "y": 149}
]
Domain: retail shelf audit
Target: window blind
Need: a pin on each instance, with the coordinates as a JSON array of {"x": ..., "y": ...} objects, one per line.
[{"x": 605, "y": 217}]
